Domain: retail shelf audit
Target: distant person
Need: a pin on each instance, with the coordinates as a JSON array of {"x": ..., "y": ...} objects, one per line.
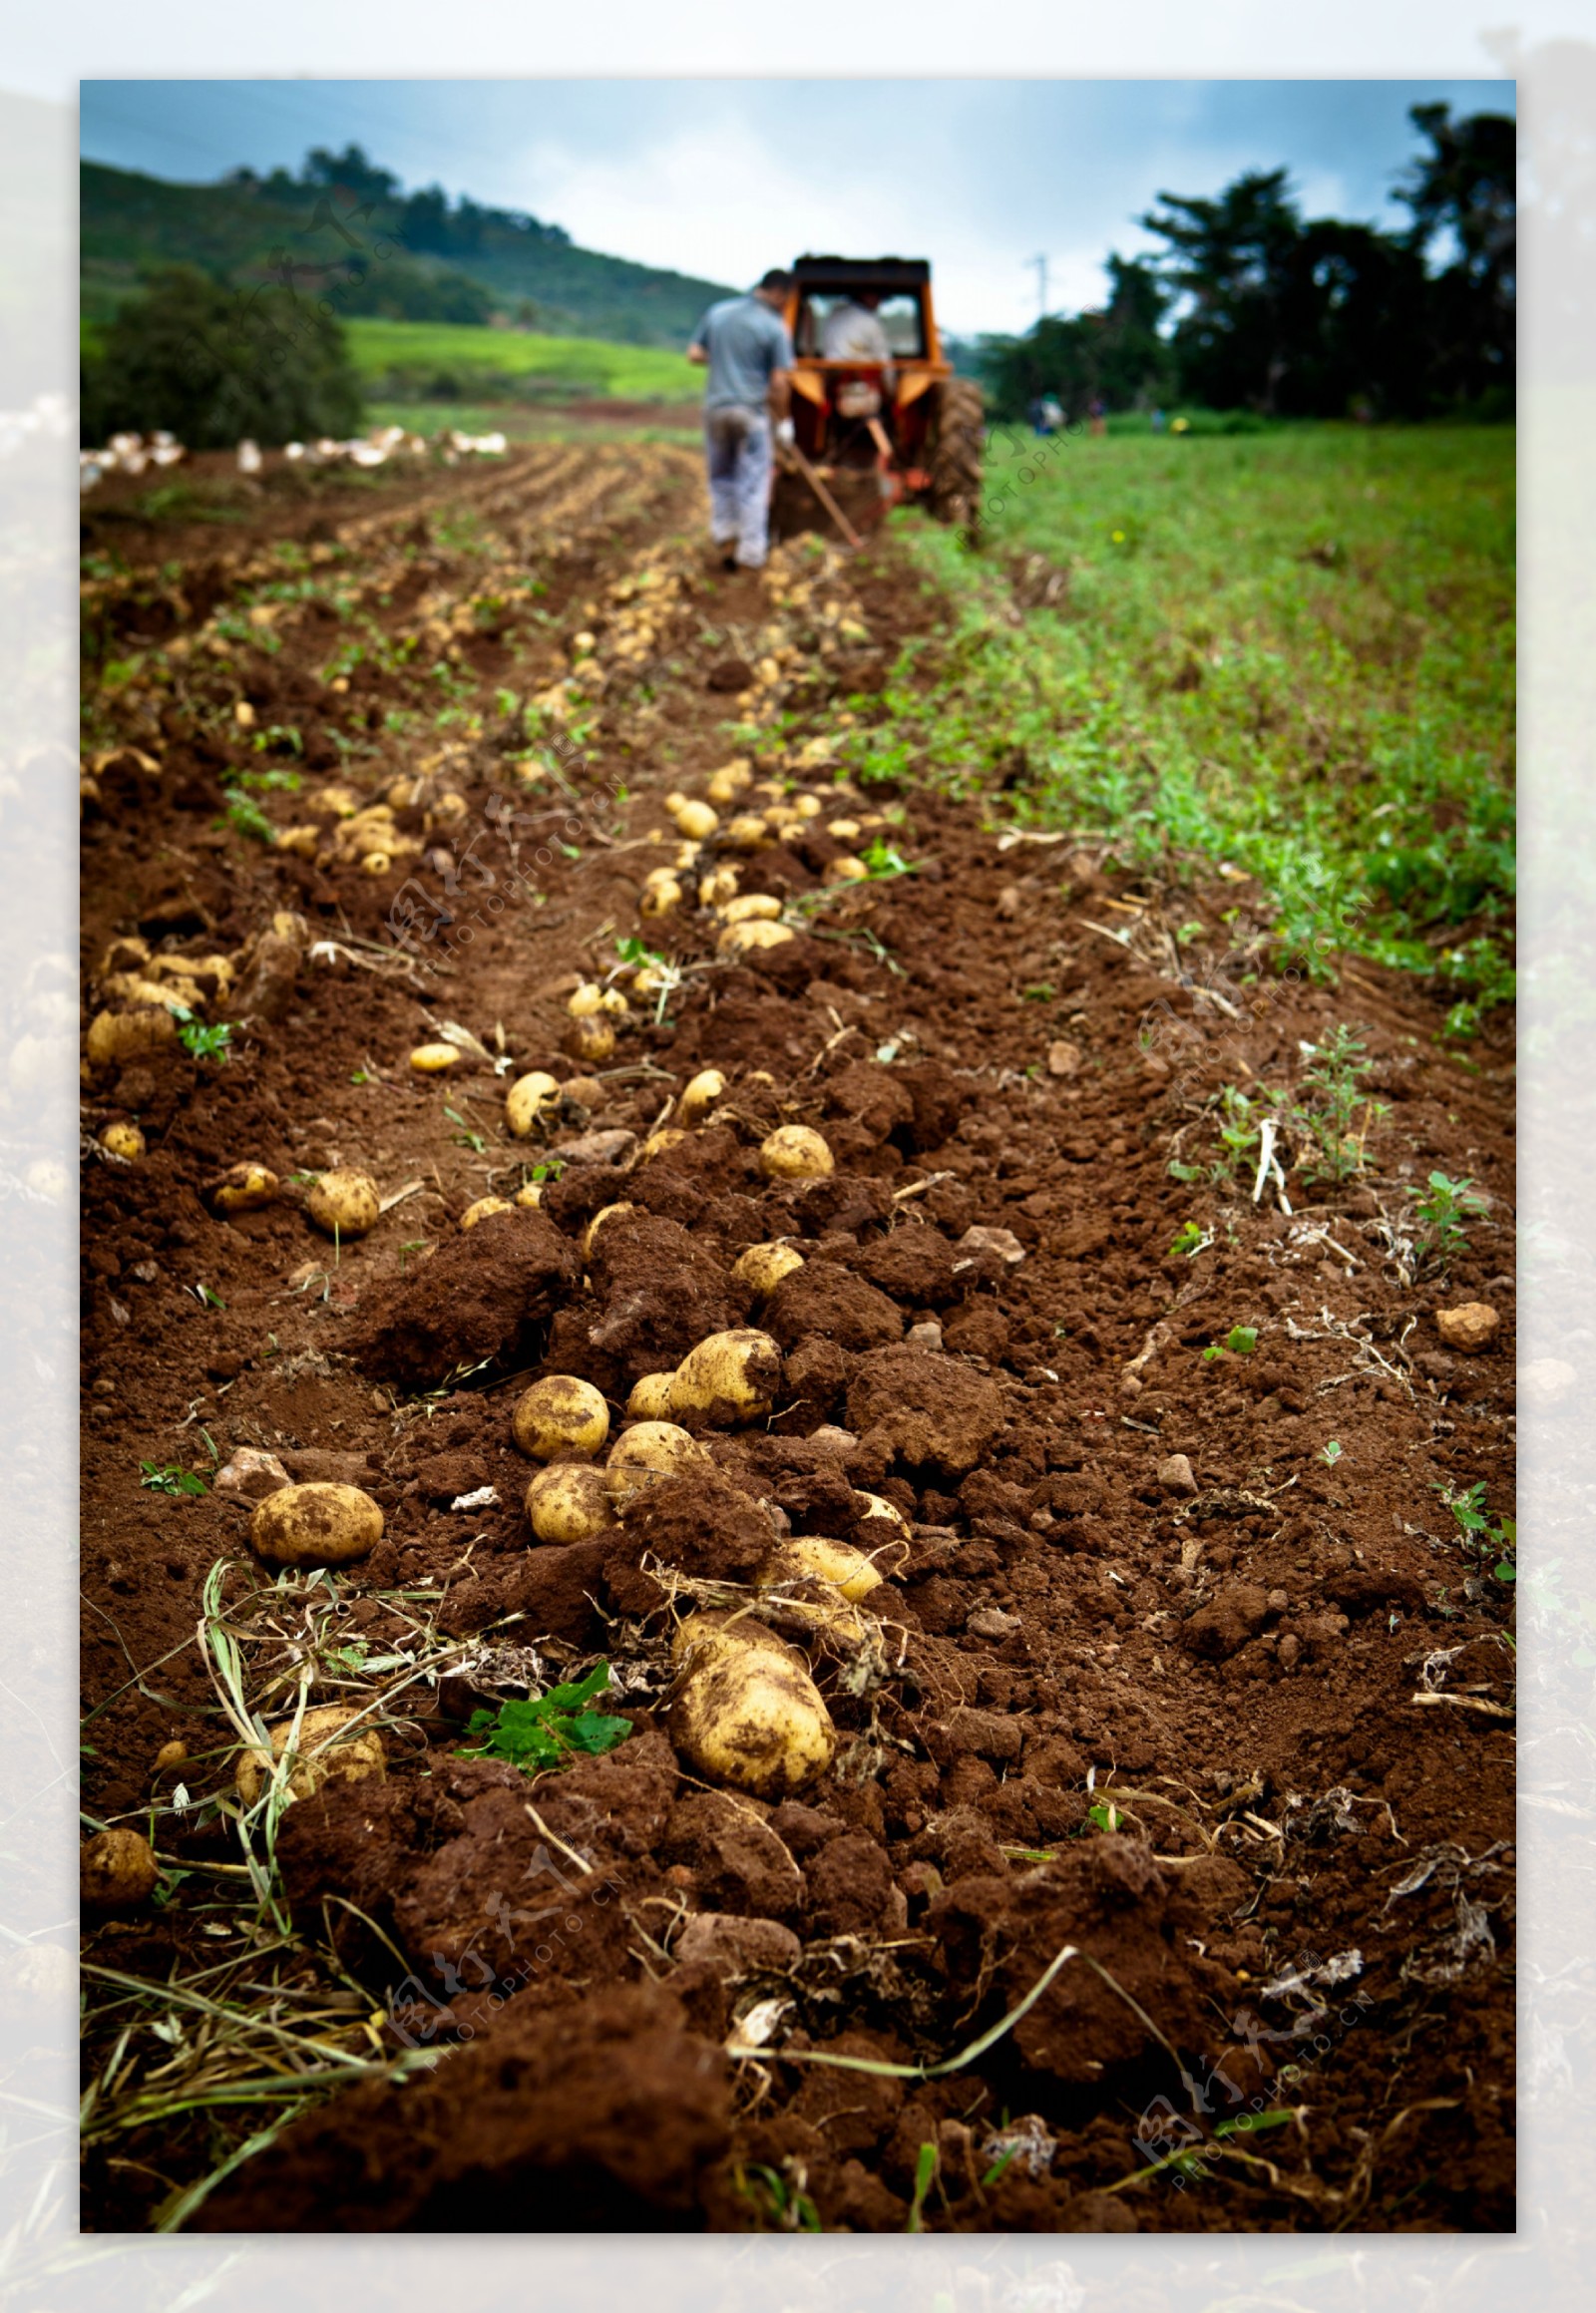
[
  {"x": 1158, "y": 421},
  {"x": 1094, "y": 412},
  {"x": 1052, "y": 414},
  {"x": 853, "y": 331},
  {"x": 743, "y": 343}
]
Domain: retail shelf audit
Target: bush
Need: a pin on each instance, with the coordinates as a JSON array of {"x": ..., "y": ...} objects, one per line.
[{"x": 212, "y": 364}]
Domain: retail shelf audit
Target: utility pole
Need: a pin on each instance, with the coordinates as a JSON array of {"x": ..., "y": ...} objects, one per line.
[{"x": 1041, "y": 265}]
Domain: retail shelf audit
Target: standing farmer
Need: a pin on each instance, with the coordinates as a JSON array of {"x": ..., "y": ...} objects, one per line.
[{"x": 744, "y": 344}]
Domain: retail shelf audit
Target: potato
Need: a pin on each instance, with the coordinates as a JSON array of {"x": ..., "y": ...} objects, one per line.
[
  {"x": 885, "y": 1532},
  {"x": 739, "y": 938},
  {"x": 123, "y": 1140},
  {"x": 648, "y": 1451},
  {"x": 734, "y": 1375},
  {"x": 700, "y": 1094},
  {"x": 322, "y": 1754},
  {"x": 591, "y": 1040},
  {"x": 806, "y": 806},
  {"x": 604, "y": 1214},
  {"x": 530, "y": 1193},
  {"x": 344, "y": 1201},
  {"x": 117, "y": 1871},
  {"x": 747, "y": 832},
  {"x": 696, "y": 821},
  {"x": 528, "y": 1098},
  {"x": 585, "y": 1000},
  {"x": 726, "y": 784},
  {"x": 170, "y": 1754},
  {"x": 434, "y": 1060},
  {"x": 717, "y": 887},
  {"x": 660, "y": 899},
  {"x": 673, "y": 801},
  {"x": 764, "y": 1266},
  {"x": 584, "y": 1091},
  {"x": 243, "y": 1188},
  {"x": 482, "y": 1208},
  {"x": 847, "y": 870},
  {"x": 750, "y": 905},
  {"x": 848, "y": 1570},
  {"x": 318, "y": 1524},
  {"x": 560, "y": 1415},
  {"x": 844, "y": 829},
  {"x": 794, "y": 1152},
  {"x": 376, "y": 864},
  {"x": 614, "y": 1004},
  {"x": 745, "y": 1710},
  {"x": 651, "y": 1398},
  {"x": 570, "y": 1502},
  {"x": 115, "y": 1038},
  {"x": 669, "y": 1136}
]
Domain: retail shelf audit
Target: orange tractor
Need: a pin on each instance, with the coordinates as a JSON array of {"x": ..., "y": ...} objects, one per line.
[{"x": 880, "y": 419}]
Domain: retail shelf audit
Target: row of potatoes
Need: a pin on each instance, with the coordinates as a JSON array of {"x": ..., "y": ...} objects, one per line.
[{"x": 749, "y": 830}]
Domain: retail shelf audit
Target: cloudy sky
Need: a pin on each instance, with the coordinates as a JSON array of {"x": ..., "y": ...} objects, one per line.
[{"x": 723, "y": 178}]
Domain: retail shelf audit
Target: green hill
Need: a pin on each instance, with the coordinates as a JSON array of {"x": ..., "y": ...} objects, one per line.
[
  {"x": 376, "y": 253},
  {"x": 433, "y": 361}
]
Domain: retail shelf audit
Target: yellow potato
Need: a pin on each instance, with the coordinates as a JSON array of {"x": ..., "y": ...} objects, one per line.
[
  {"x": 434, "y": 1060},
  {"x": 614, "y": 1004},
  {"x": 807, "y": 806},
  {"x": 675, "y": 801},
  {"x": 749, "y": 905},
  {"x": 117, "y": 1870},
  {"x": 481, "y": 1209},
  {"x": 115, "y": 1038},
  {"x": 242, "y": 1189},
  {"x": 748, "y": 832},
  {"x": 585, "y": 1000},
  {"x": 651, "y": 1398},
  {"x": 585, "y": 1091},
  {"x": 560, "y": 1415},
  {"x": 699, "y": 1095},
  {"x": 669, "y": 1136},
  {"x": 570, "y": 1502},
  {"x": 604, "y": 1214},
  {"x": 591, "y": 1040},
  {"x": 844, "y": 829},
  {"x": 123, "y": 1140},
  {"x": 660, "y": 899},
  {"x": 696, "y": 821},
  {"x": 795, "y": 1152},
  {"x": 726, "y": 784},
  {"x": 848, "y": 1570},
  {"x": 735, "y": 1373},
  {"x": 745, "y": 1712},
  {"x": 764, "y": 1266},
  {"x": 376, "y": 864},
  {"x": 318, "y": 1524},
  {"x": 646, "y": 1453},
  {"x": 528, "y": 1098},
  {"x": 344, "y": 1201},
  {"x": 717, "y": 887},
  {"x": 323, "y": 1752},
  {"x": 530, "y": 1193},
  {"x": 739, "y": 938},
  {"x": 847, "y": 870}
]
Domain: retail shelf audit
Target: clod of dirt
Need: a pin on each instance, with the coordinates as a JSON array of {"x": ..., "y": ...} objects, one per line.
[
  {"x": 979, "y": 1329},
  {"x": 873, "y": 1098},
  {"x": 737, "y": 1947},
  {"x": 701, "y": 1524},
  {"x": 472, "y": 1299},
  {"x": 915, "y": 1265},
  {"x": 661, "y": 1292},
  {"x": 553, "y": 1590},
  {"x": 738, "y": 1864},
  {"x": 1472, "y": 1327},
  {"x": 1233, "y": 1616},
  {"x": 925, "y": 1411},
  {"x": 821, "y": 1298},
  {"x": 602, "y": 2118}
]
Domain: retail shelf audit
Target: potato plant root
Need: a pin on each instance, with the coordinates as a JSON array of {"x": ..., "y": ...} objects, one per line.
[{"x": 1185, "y": 1664}]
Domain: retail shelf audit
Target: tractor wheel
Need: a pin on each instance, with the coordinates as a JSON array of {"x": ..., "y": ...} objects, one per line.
[{"x": 957, "y": 444}]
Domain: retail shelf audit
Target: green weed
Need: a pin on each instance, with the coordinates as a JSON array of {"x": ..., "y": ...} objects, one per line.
[
  {"x": 170, "y": 1478},
  {"x": 1443, "y": 1210},
  {"x": 551, "y": 1731},
  {"x": 204, "y": 1041},
  {"x": 1240, "y": 1342},
  {"x": 1495, "y": 1545}
]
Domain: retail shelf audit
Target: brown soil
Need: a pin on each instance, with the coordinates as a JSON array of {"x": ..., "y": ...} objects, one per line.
[{"x": 1238, "y": 1734}]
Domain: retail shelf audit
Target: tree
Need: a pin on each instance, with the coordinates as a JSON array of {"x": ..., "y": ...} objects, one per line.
[
  {"x": 1463, "y": 194},
  {"x": 351, "y": 169},
  {"x": 1232, "y": 260},
  {"x": 212, "y": 364}
]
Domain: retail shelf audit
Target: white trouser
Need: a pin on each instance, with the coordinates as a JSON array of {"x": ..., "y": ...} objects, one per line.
[{"x": 737, "y": 452}]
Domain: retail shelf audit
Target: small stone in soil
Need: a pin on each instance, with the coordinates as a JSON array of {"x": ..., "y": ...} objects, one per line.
[
  {"x": 925, "y": 1336},
  {"x": 251, "y": 1475},
  {"x": 1176, "y": 1476},
  {"x": 1472, "y": 1327}
]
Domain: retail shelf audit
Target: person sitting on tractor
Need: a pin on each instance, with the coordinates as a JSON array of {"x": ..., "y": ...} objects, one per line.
[
  {"x": 743, "y": 342},
  {"x": 852, "y": 332}
]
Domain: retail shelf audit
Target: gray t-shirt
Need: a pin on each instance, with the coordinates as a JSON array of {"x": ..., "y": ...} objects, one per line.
[{"x": 745, "y": 341}]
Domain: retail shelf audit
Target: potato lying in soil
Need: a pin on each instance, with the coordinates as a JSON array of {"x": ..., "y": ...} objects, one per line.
[
  {"x": 528, "y": 1098},
  {"x": 739, "y": 938},
  {"x": 696, "y": 821},
  {"x": 243, "y": 1188},
  {"x": 123, "y": 1140},
  {"x": 589, "y": 1040},
  {"x": 650, "y": 1450},
  {"x": 560, "y": 1415},
  {"x": 434, "y": 1060},
  {"x": 731, "y": 1376},
  {"x": 849, "y": 1571},
  {"x": 321, "y": 1754},
  {"x": 570, "y": 1503},
  {"x": 651, "y": 1398},
  {"x": 605, "y": 1214},
  {"x": 115, "y": 1038},
  {"x": 699, "y": 1095},
  {"x": 751, "y": 908},
  {"x": 481, "y": 1209},
  {"x": 320, "y": 1523},
  {"x": 795, "y": 1152},
  {"x": 344, "y": 1203},
  {"x": 764, "y": 1266},
  {"x": 746, "y": 1712},
  {"x": 116, "y": 1871}
]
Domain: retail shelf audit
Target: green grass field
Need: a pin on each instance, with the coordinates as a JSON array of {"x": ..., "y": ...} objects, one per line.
[
  {"x": 1293, "y": 650},
  {"x": 402, "y": 360}
]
